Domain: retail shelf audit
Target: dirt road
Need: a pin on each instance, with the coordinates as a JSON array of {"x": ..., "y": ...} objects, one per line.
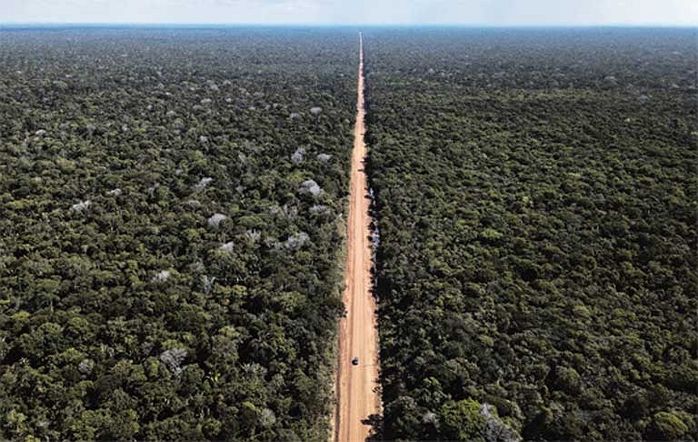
[{"x": 357, "y": 393}]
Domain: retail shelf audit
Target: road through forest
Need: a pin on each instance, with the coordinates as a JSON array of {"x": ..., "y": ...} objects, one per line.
[{"x": 357, "y": 393}]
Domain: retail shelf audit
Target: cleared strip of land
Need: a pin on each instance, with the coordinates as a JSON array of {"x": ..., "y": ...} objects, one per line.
[{"x": 358, "y": 397}]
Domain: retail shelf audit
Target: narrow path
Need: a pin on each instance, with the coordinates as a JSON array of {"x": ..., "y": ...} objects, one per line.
[{"x": 357, "y": 392}]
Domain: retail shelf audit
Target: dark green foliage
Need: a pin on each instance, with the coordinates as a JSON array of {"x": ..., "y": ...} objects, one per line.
[
  {"x": 141, "y": 315},
  {"x": 536, "y": 200}
]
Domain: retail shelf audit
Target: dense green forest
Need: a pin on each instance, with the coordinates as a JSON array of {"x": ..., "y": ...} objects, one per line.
[
  {"x": 171, "y": 221},
  {"x": 171, "y": 206},
  {"x": 536, "y": 203}
]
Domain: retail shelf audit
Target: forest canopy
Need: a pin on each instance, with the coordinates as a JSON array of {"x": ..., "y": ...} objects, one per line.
[
  {"x": 536, "y": 202},
  {"x": 171, "y": 204}
]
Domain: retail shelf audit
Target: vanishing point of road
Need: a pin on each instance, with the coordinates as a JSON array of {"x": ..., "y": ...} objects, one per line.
[{"x": 358, "y": 396}]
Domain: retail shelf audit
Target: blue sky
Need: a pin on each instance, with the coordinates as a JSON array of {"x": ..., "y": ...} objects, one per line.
[{"x": 404, "y": 12}]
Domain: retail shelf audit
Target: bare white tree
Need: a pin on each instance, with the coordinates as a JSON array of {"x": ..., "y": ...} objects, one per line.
[
  {"x": 81, "y": 206},
  {"x": 311, "y": 187},
  {"x": 298, "y": 156},
  {"x": 215, "y": 220},
  {"x": 162, "y": 276}
]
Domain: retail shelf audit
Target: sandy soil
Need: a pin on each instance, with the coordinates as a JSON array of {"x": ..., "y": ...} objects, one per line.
[{"x": 357, "y": 392}]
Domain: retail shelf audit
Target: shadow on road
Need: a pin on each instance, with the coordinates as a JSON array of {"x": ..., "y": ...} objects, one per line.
[{"x": 376, "y": 423}]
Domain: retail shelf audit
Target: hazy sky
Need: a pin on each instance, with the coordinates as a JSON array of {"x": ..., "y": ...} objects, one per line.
[{"x": 470, "y": 12}]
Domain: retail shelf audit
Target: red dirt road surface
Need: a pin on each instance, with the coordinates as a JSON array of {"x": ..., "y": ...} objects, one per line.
[{"x": 357, "y": 386}]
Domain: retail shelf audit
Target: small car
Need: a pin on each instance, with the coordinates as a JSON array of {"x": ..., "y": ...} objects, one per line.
[{"x": 355, "y": 361}]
